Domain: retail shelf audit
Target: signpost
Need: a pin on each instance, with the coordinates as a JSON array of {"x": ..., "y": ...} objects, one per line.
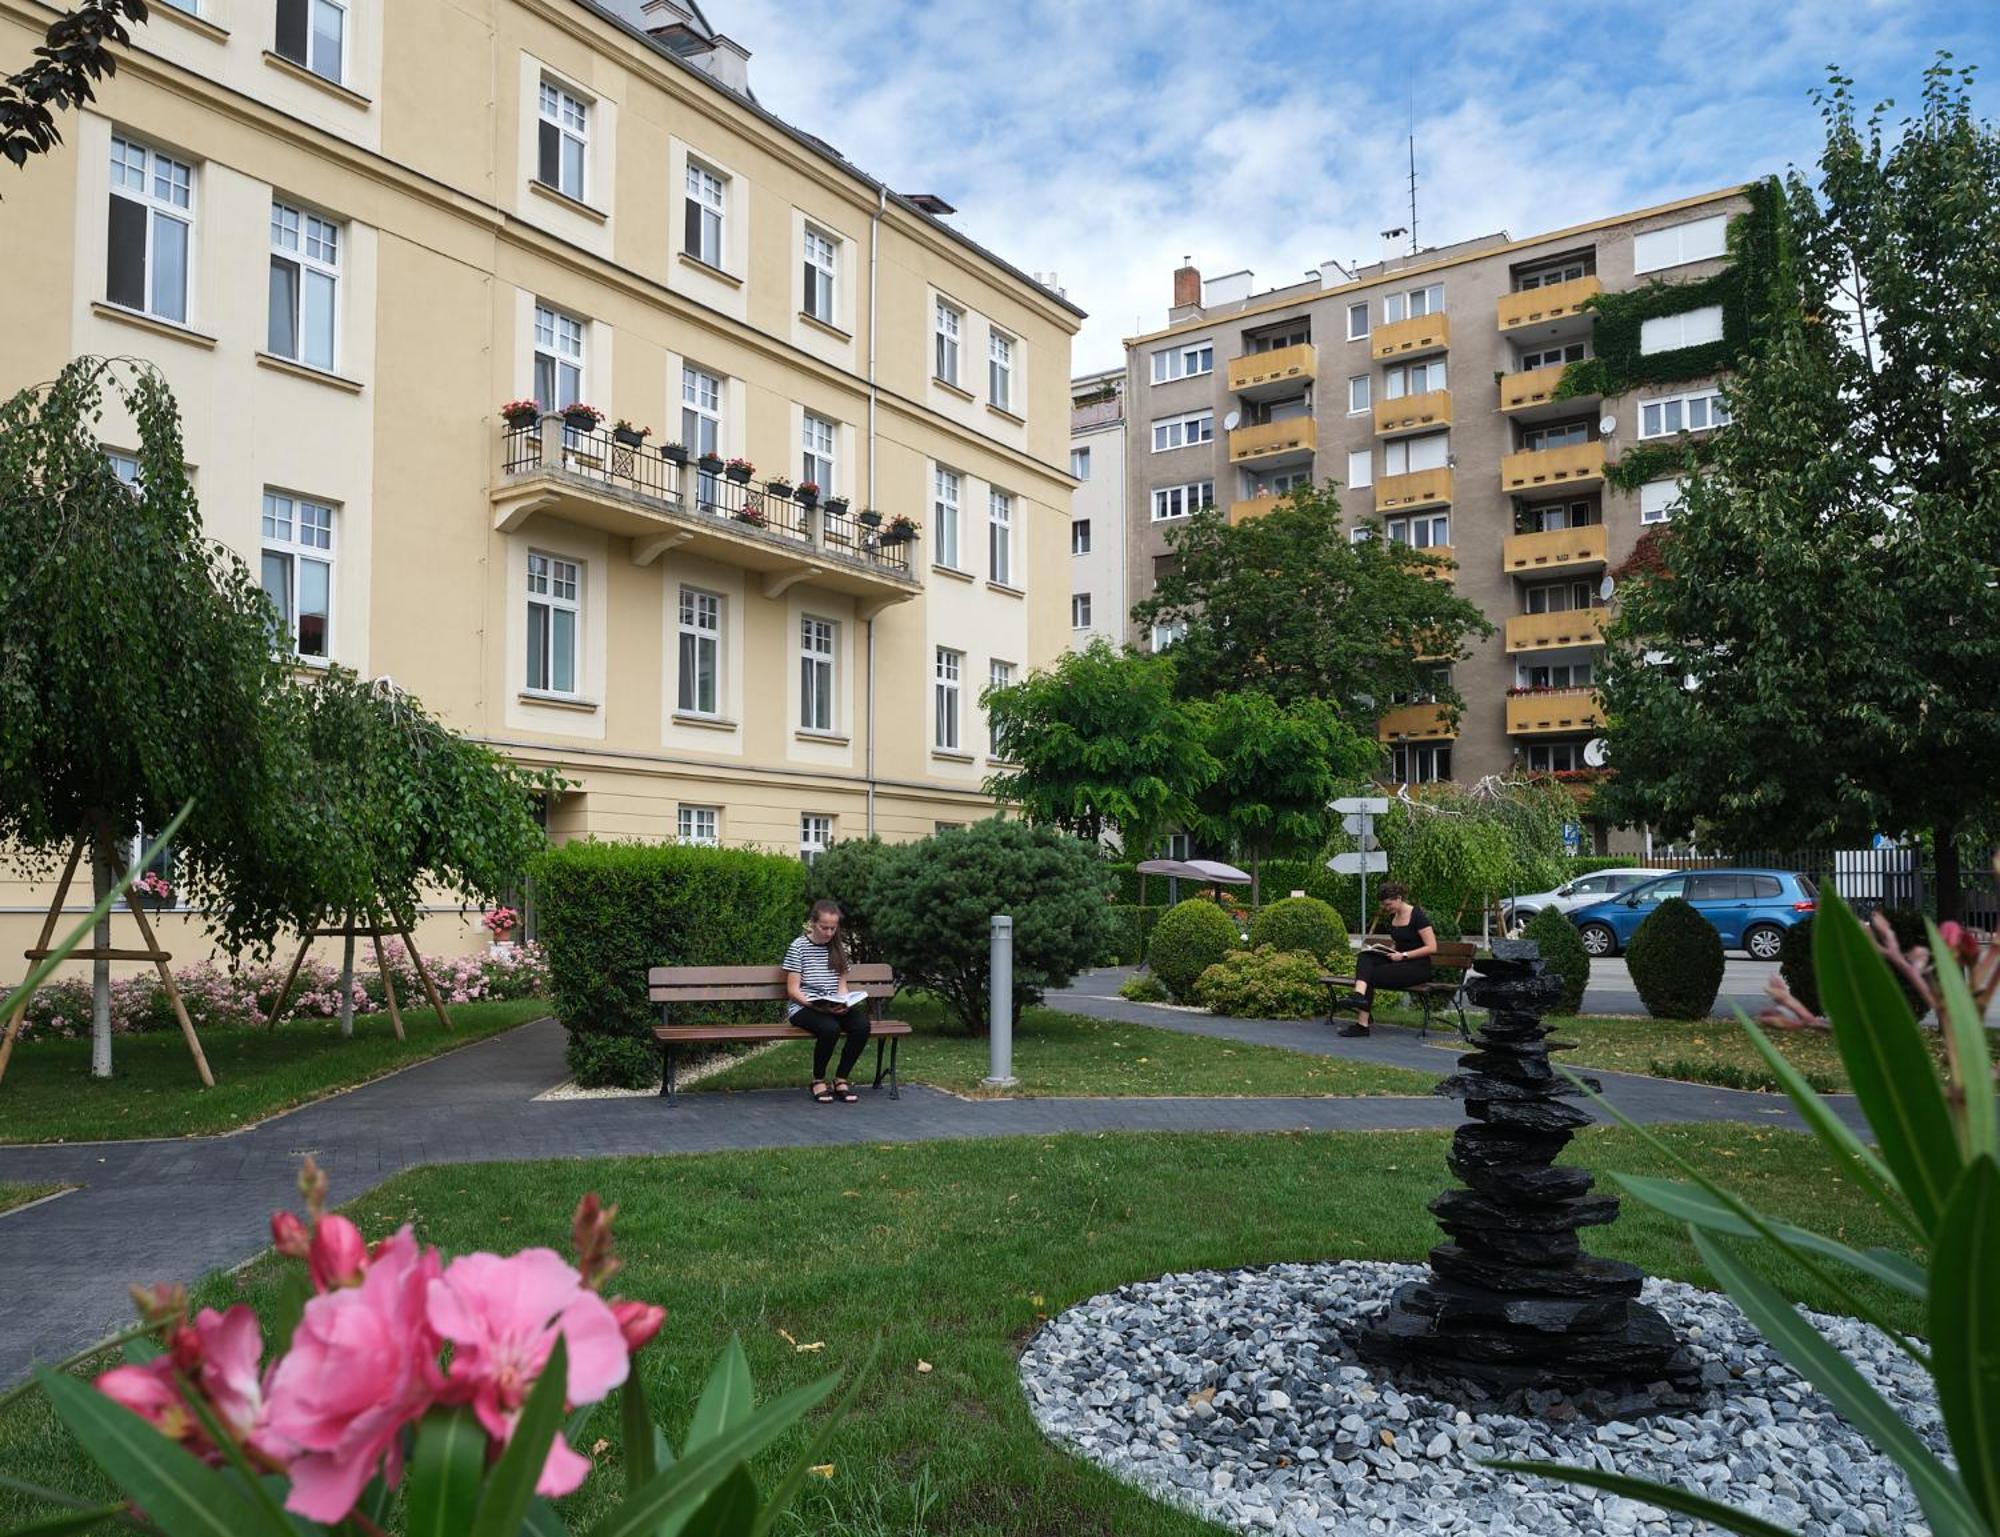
[{"x": 1357, "y": 819}]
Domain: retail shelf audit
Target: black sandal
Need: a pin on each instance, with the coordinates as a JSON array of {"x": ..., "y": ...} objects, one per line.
[
  {"x": 821, "y": 1092},
  {"x": 844, "y": 1092}
]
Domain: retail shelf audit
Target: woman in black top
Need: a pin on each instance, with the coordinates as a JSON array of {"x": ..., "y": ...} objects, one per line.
[{"x": 1412, "y": 943}]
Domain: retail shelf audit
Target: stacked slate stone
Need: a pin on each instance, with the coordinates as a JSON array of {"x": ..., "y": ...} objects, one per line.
[{"x": 1513, "y": 1304}]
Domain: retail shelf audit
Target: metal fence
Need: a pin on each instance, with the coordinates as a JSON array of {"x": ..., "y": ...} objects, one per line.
[{"x": 1865, "y": 879}]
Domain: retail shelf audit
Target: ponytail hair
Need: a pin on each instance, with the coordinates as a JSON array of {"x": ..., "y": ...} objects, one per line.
[{"x": 836, "y": 951}]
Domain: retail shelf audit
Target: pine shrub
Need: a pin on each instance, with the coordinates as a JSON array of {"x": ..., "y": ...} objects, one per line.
[
  {"x": 1262, "y": 984},
  {"x": 1562, "y": 948},
  {"x": 1795, "y": 964},
  {"x": 1188, "y": 940},
  {"x": 1304, "y": 924},
  {"x": 1676, "y": 962}
]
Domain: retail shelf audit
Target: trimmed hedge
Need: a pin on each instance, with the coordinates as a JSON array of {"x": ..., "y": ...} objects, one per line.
[
  {"x": 1676, "y": 962},
  {"x": 1262, "y": 984},
  {"x": 1562, "y": 948},
  {"x": 1188, "y": 939},
  {"x": 1303, "y": 924},
  {"x": 610, "y": 911},
  {"x": 1277, "y": 879}
]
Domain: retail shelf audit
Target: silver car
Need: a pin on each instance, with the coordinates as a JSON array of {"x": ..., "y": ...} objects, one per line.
[{"x": 1598, "y": 886}]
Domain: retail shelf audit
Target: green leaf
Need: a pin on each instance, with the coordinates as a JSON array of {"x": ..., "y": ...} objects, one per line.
[
  {"x": 294, "y": 1292},
  {"x": 1965, "y": 1333},
  {"x": 1942, "y": 1496},
  {"x": 138, "y": 1352},
  {"x": 541, "y": 1520},
  {"x": 815, "y": 1452},
  {"x": 1689, "y": 1204},
  {"x": 179, "y": 1493},
  {"x": 376, "y": 1500},
  {"x": 725, "y": 1401},
  {"x": 677, "y": 1492},
  {"x": 78, "y": 1521},
  {"x": 729, "y": 1512},
  {"x": 636, "y": 1430},
  {"x": 1663, "y": 1495},
  {"x": 1971, "y": 1053},
  {"x": 511, "y": 1485},
  {"x": 1887, "y": 1061},
  {"x": 442, "y": 1491}
]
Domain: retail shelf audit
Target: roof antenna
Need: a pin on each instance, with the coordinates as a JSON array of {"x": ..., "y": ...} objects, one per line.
[{"x": 1413, "y": 160}]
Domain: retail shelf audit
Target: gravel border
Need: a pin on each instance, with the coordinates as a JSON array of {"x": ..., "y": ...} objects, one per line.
[{"x": 720, "y": 1063}]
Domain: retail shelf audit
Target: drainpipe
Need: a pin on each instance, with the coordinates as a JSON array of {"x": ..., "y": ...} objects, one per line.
[{"x": 874, "y": 262}]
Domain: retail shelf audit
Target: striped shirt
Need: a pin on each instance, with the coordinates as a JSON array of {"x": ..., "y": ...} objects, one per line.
[{"x": 817, "y": 978}]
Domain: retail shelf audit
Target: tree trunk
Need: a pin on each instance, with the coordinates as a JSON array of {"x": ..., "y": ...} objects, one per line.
[
  {"x": 347, "y": 984},
  {"x": 1950, "y": 878},
  {"x": 1256, "y": 885},
  {"x": 100, "y": 971}
]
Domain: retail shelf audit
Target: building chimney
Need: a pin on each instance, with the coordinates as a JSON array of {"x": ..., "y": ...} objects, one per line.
[{"x": 1187, "y": 285}]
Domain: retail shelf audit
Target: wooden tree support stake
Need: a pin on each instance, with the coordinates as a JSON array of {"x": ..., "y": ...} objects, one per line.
[
  {"x": 278, "y": 1003},
  {"x": 388, "y": 984},
  {"x": 41, "y": 948},
  {"x": 375, "y": 932},
  {"x": 424, "y": 976}
]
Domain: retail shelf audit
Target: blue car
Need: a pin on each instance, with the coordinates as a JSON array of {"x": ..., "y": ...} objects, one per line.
[{"x": 1750, "y": 909}]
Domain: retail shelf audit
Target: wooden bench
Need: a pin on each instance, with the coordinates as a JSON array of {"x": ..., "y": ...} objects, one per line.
[
  {"x": 680, "y": 986},
  {"x": 1444, "y": 993}
]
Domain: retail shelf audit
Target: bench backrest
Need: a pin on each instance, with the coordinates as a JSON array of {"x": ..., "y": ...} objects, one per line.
[
  {"x": 1454, "y": 955},
  {"x": 750, "y": 984}
]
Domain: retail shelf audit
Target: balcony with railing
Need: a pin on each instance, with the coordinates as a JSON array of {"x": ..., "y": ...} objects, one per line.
[
  {"x": 1289, "y": 441},
  {"x": 1546, "y": 711},
  {"x": 592, "y": 479},
  {"x": 1415, "y": 723},
  {"x": 1411, "y": 338},
  {"x": 1252, "y": 507},
  {"x": 1555, "y": 305},
  {"x": 1419, "y": 488},
  {"x": 1556, "y": 549},
  {"x": 1550, "y": 632},
  {"x": 1413, "y": 413},
  {"x": 1545, "y": 469},
  {"x": 1534, "y": 389},
  {"x": 1280, "y": 371}
]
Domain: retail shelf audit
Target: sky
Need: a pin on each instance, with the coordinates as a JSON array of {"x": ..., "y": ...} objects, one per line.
[{"x": 1106, "y": 140}]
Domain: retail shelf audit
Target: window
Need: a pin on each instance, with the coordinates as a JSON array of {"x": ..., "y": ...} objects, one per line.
[
  {"x": 1079, "y": 463},
  {"x": 701, "y": 653},
  {"x": 1658, "y": 499},
  {"x": 1164, "y": 635},
  {"x": 1079, "y": 611},
  {"x": 815, "y": 833},
  {"x": 944, "y": 518},
  {"x": 1549, "y": 517},
  {"x": 703, "y": 215},
  {"x": 1000, "y": 370},
  {"x": 1690, "y": 328},
  {"x": 999, "y": 675},
  {"x": 949, "y": 666},
  {"x": 1280, "y": 482},
  {"x": 945, "y": 328},
  {"x": 563, "y": 140},
  {"x": 700, "y": 825},
  {"x": 1562, "y": 435},
  {"x": 305, "y": 279},
  {"x": 1429, "y": 530},
  {"x": 1698, "y": 240},
  {"x": 298, "y": 569},
  {"x": 1357, "y": 394},
  {"x": 1560, "y": 758},
  {"x": 1406, "y": 456},
  {"x": 1294, "y": 333},
  {"x": 820, "y": 257},
  {"x": 1179, "y": 501},
  {"x": 1186, "y": 361},
  {"x": 1548, "y": 357},
  {"x": 1428, "y": 300},
  {"x": 816, "y": 465},
  {"x": 151, "y": 217},
  {"x": 1000, "y": 537},
  {"x": 313, "y": 33},
  {"x": 1182, "y": 431},
  {"x": 126, "y": 468},
  {"x": 1413, "y": 379},
  {"x": 555, "y": 588},
  {"x": 1079, "y": 537},
  {"x": 558, "y": 359},
  {"x": 1357, "y": 322},
  {"x": 701, "y": 423},
  {"x": 1559, "y": 597},
  {"x": 1564, "y": 675},
  {"x": 1417, "y": 763},
  {"x": 1360, "y": 468},
  {"x": 1562, "y": 270},
  {"x": 816, "y": 660},
  {"x": 1695, "y": 412},
  {"x": 1361, "y": 533}
]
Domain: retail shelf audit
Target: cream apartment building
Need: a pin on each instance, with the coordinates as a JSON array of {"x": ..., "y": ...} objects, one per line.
[
  {"x": 1098, "y": 440},
  {"x": 348, "y": 232},
  {"x": 1425, "y": 385}
]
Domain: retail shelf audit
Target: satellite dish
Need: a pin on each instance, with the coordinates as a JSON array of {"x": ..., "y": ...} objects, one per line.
[
  {"x": 1607, "y": 587},
  {"x": 1692, "y": 683},
  {"x": 1607, "y": 425},
  {"x": 1230, "y": 421},
  {"x": 1596, "y": 752}
]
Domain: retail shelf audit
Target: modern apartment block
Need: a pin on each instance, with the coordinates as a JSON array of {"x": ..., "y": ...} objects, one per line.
[
  {"x": 1425, "y": 385},
  {"x": 348, "y": 232},
  {"x": 1097, "y": 530}
]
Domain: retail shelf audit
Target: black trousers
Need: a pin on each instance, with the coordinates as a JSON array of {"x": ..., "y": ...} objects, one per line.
[
  {"x": 1375, "y": 969},
  {"x": 827, "y": 1028}
]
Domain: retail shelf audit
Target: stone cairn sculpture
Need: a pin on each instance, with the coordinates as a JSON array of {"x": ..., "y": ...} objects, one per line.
[{"x": 1513, "y": 1303}]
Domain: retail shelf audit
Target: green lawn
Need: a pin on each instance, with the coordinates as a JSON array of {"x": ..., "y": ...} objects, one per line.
[
  {"x": 20, "y": 1195},
  {"x": 1057, "y": 1053},
  {"x": 48, "y": 1094},
  {"x": 950, "y": 1254}
]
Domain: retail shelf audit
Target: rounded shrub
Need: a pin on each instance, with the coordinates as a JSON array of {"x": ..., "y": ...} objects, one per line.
[
  {"x": 1305, "y": 924},
  {"x": 1143, "y": 987},
  {"x": 612, "y": 1062},
  {"x": 1795, "y": 964},
  {"x": 1188, "y": 939},
  {"x": 1562, "y": 948},
  {"x": 1262, "y": 984},
  {"x": 1676, "y": 962}
]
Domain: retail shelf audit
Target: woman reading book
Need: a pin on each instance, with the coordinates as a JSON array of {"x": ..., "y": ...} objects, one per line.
[
  {"x": 1402, "y": 960},
  {"x": 816, "y": 983}
]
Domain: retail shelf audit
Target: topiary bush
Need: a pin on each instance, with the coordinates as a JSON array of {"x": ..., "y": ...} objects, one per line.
[
  {"x": 1262, "y": 984},
  {"x": 1562, "y": 948},
  {"x": 1795, "y": 964},
  {"x": 1676, "y": 962},
  {"x": 1188, "y": 940},
  {"x": 1305, "y": 924}
]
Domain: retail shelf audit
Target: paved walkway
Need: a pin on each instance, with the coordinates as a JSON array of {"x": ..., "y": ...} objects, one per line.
[{"x": 176, "y": 1209}]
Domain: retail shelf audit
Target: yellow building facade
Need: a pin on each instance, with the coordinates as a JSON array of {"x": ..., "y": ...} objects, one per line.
[{"x": 347, "y": 247}]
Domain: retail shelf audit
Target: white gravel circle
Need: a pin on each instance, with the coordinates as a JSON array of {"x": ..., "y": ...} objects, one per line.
[{"x": 1232, "y": 1394}]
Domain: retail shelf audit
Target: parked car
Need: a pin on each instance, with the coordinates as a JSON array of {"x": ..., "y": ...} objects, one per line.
[
  {"x": 1750, "y": 909},
  {"x": 1584, "y": 891}
]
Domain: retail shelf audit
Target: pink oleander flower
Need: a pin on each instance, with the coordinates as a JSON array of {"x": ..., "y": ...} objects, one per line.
[
  {"x": 218, "y": 1354},
  {"x": 1960, "y": 942},
  {"x": 637, "y": 1321},
  {"x": 363, "y": 1364},
  {"x": 338, "y": 1254},
  {"x": 503, "y": 1317},
  {"x": 289, "y": 1236}
]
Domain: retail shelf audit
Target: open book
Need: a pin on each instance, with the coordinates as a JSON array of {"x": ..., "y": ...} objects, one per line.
[
  {"x": 1379, "y": 945},
  {"x": 839, "y": 1000}
]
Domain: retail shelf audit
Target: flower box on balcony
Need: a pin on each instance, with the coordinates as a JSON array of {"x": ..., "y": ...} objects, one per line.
[
  {"x": 521, "y": 413},
  {"x": 779, "y": 487},
  {"x": 740, "y": 471},
  {"x": 711, "y": 462},
  {"x": 869, "y": 517},
  {"x": 900, "y": 530},
  {"x": 836, "y": 506},
  {"x": 582, "y": 418},
  {"x": 630, "y": 436},
  {"x": 751, "y": 513},
  {"x": 674, "y": 453},
  {"x": 808, "y": 493}
]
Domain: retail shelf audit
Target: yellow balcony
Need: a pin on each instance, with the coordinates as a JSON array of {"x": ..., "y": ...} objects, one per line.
[
  {"x": 1559, "y": 549},
  {"x": 1553, "y": 710},
  {"x": 1411, "y": 338},
  {"x": 1413, "y": 413},
  {"x": 1443, "y": 565},
  {"x": 1541, "y": 306},
  {"x": 1415, "y": 723},
  {"x": 1547, "y": 632},
  {"x": 1269, "y": 373},
  {"x": 1574, "y": 464},
  {"x": 1419, "y": 488},
  {"x": 1293, "y": 438},
  {"x": 1530, "y": 388},
  {"x": 1252, "y": 507}
]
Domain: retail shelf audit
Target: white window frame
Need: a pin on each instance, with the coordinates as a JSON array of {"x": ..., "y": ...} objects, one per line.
[
  {"x": 1399, "y": 454},
  {"x": 1404, "y": 304},
  {"x": 1548, "y": 357},
  {"x": 164, "y": 188},
  {"x": 1403, "y": 379},
  {"x": 1164, "y": 635},
  {"x": 1185, "y": 360},
  {"x": 562, "y": 339},
  {"x": 1364, "y": 459},
  {"x": 1079, "y": 611},
  {"x": 309, "y": 244},
  {"x": 1708, "y": 404},
  {"x": 698, "y": 826},
  {"x": 1658, "y": 499},
  {"x": 1538, "y": 440},
  {"x": 1360, "y": 394},
  {"x": 698, "y": 654},
  {"x": 1357, "y": 321},
  {"x": 707, "y": 193},
  {"x": 1566, "y": 270},
  {"x": 1685, "y": 328},
  {"x": 1000, "y": 536},
  {"x": 1182, "y": 501},
  {"x": 1692, "y": 240},
  {"x": 947, "y": 326},
  {"x": 819, "y": 672},
  {"x": 1581, "y": 595},
  {"x": 555, "y": 585},
  {"x": 126, "y": 467},
  {"x": 820, "y": 439},
  {"x": 1184, "y": 431},
  {"x": 1079, "y": 463},
  {"x": 948, "y": 671},
  {"x": 1000, "y": 370},
  {"x": 815, "y": 834},
  {"x": 947, "y": 488},
  {"x": 314, "y": 60},
  {"x": 820, "y": 275},
  {"x": 1079, "y": 536},
  {"x": 1421, "y": 530},
  {"x": 569, "y": 114},
  {"x": 999, "y": 675},
  {"x": 1424, "y": 757},
  {"x": 298, "y": 532}
]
